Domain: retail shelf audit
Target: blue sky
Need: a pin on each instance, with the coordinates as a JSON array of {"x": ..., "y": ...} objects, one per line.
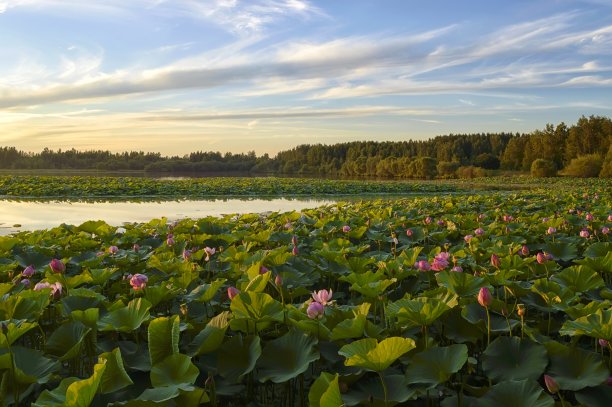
[{"x": 176, "y": 76}]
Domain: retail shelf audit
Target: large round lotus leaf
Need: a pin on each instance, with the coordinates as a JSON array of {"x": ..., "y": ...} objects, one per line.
[
  {"x": 349, "y": 328},
  {"x": 579, "y": 279},
  {"x": 32, "y": 366},
  {"x": 600, "y": 396},
  {"x": 514, "y": 359},
  {"x": 371, "y": 355},
  {"x": 325, "y": 391},
  {"x": 66, "y": 341},
  {"x": 286, "y": 357},
  {"x": 476, "y": 314},
  {"x": 73, "y": 392},
  {"x": 574, "y": 368},
  {"x": 562, "y": 250},
  {"x": 596, "y": 325},
  {"x": 462, "y": 284},
  {"x": 15, "y": 330},
  {"x": 128, "y": 318},
  {"x": 249, "y": 308},
  {"x": 163, "y": 335},
  {"x": 238, "y": 356},
  {"x": 211, "y": 337},
  {"x": 458, "y": 328},
  {"x": 523, "y": 393},
  {"x": 115, "y": 377},
  {"x": 175, "y": 369},
  {"x": 397, "y": 391},
  {"x": 421, "y": 311},
  {"x": 436, "y": 365}
]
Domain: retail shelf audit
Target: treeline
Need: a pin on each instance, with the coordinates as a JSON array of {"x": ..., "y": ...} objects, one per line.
[{"x": 583, "y": 149}]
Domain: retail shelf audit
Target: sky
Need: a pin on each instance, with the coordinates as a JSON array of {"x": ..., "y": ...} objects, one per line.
[{"x": 176, "y": 76}]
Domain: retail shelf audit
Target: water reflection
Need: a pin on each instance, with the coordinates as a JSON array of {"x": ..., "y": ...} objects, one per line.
[{"x": 24, "y": 214}]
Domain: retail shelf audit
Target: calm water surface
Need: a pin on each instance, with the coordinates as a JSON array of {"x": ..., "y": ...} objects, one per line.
[{"x": 31, "y": 215}]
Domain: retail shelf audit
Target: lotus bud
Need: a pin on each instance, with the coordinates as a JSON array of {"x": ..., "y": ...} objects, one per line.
[
  {"x": 541, "y": 258},
  {"x": 551, "y": 384},
  {"x": 294, "y": 240},
  {"x": 551, "y": 230},
  {"x": 423, "y": 265},
  {"x": 609, "y": 218},
  {"x": 584, "y": 233},
  {"x": 467, "y": 238},
  {"x": 186, "y": 254},
  {"x": 603, "y": 343},
  {"x": 441, "y": 222},
  {"x": 278, "y": 280},
  {"x": 520, "y": 310},
  {"x": 57, "y": 266},
  {"x": 408, "y": 232},
  {"x": 544, "y": 220},
  {"x": 315, "y": 310},
  {"x": 346, "y": 228},
  {"x": 525, "y": 250},
  {"x": 484, "y": 297},
  {"x": 139, "y": 281},
  {"x": 113, "y": 249},
  {"x": 25, "y": 282},
  {"x": 428, "y": 220},
  {"x": 136, "y": 247},
  {"x": 495, "y": 262},
  {"x": 209, "y": 252},
  {"x": 263, "y": 270},
  {"x": 457, "y": 269},
  {"x": 605, "y": 230},
  {"x": 589, "y": 217},
  {"x": 170, "y": 241},
  {"x": 479, "y": 232},
  {"x": 28, "y": 271},
  {"x": 295, "y": 251},
  {"x": 232, "y": 292}
]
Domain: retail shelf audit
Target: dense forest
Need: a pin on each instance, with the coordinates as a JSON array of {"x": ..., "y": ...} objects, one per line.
[{"x": 583, "y": 149}]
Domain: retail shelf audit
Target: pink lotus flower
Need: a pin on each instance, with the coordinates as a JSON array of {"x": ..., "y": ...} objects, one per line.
[
  {"x": 57, "y": 266},
  {"x": 28, "y": 271},
  {"x": 589, "y": 217},
  {"x": 56, "y": 288},
  {"x": 295, "y": 251},
  {"x": 428, "y": 220},
  {"x": 525, "y": 250},
  {"x": 186, "y": 254},
  {"x": 544, "y": 220},
  {"x": 467, "y": 238},
  {"x": 603, "y": 343},
  {"x": 609, "y": 218},
  {"x": 288, "y": 225},
  {"x": 551, "y": 384},
  {"x": 294, "y": 240},
  {"x": 551, "y": 230},
  {"x": 25, "y": 282},
  {"x": 495, "y": 262},
  {"x": 113, "y": 249},
  {"x": 422, "y": 265},
  {"x": 209, "y": 252},
  {"x": 323, "y": 297},
  {"x": 479, "y": 232},
  {"x": 605, "y": 230},
  {"x": 584, "y": 233},
  {"x": 278, "y": 280},
  {"x": 440, "y": 262},
  {"x": 543, "y": 257},
  {"x": 408, "y": 232},
  {"x": 263, "y": 270},
  {"x": 508, "y": 218},
  {"x": 484, "y": 297},
  {"x": 136, "y": 247},
  {"x": 346, "y": 228},
  {"x": 457, "y": 269},
  {"x": 232, "y": 292},
  {"x": 170, "y": 241},
  {"x": 315, "y": 310},
  {"x": 139, "y": 281},
  {"x": 441, "y": 222},
  {"x": 572, "y": 210},
  {"x": 481, "y": 217}
]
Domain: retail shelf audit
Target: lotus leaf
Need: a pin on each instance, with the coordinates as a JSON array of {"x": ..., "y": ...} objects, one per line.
[
  {"x": 286, "y": 357},
  {"x": 524, "y": 393},
  {"x": 127, "y": 318},
  {"x": 115, "y": 377},
  {"x": 163, "y": 335},
  {"x": 211, "y": 337},
  {"x": 512, "y": 358},
  {"x": 325, "y": 391},
  {"x": 575, "y": 368},
  {"x": 176, "y": 369},
  {"x": 372, "y": 355},
  {"x": 237, "y": 356},
  {"x": 436, "y": 365}
]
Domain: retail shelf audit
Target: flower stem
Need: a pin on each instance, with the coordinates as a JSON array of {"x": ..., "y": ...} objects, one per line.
[
  {"x": 384, "y": 386},
  {"x": 488, "y": 326}
]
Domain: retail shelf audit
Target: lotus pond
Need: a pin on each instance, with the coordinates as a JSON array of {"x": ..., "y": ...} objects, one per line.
[{"x": 496, "y": 299}]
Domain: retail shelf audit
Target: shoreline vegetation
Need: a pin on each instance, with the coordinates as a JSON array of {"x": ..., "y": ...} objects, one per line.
[{"x": 580, "y": 150}]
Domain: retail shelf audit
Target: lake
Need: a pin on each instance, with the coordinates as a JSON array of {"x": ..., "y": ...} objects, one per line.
[{"x": 19, "y": 215}]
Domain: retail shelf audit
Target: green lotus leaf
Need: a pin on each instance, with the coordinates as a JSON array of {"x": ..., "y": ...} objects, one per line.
[
  {"x": 31, "y": 366},
  {"x": 237, "y": 356},
  {"x": 421, "y": 311},
  {"x": 254, "y": 311},
  {"x": 372, "y": 355},
  {"x": 562, "y": 250},
  {"x": 115, "y": 377},
  {"x": 458, "y": 328},
  {"x": 80, "y": 303},
  {"x": 66, "y": 341},
  {"x": 373, "y": 289},
  {"x": 365, "y": 389},
  {"x": 206, "y": 292},
  {"x": 92, "y": 226},
  {"x": 597, "y": 325},
  {"x": 73, "y": 392},
  {"x": 349, "y": 328},
  {"x": 461, "y": 284},
  {"x": 436, "y": 365},
  {"x": 524, "y": 393},
  {"x": 27, "y": 305},
  {"x": 287, "y": 357},
  {"x": 599, "y": 249},
  {"x": 102, "y": 276},
  {"x": 599, "y": 396},
  {"x": 15, "y": 329},
  {"x": 163, "y": 335},
  {"x": 363, "y": 279},
  {"x": 88, "y": 317},
  {"x": 211, "y": 337},
  {"x": 127, "y": 318},
  {"x": 258, "y": 283},
  {"x": 579, "y": 279},
  {"x": 475, "y": 314},
  {"x": 161, "y": 293},
  {"x": 553, "y": 293},
  {"x": 176, "y": 369},
  {"x": 512, "y": 358},
  {"x": 575, "y": 368},
  {"x": 7, "y": 243},
  {"x": 325, "y": 391},
  {"x": 583, "y": 310}
]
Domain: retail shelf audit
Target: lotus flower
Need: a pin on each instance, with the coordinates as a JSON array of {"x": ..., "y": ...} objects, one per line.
[
  {"x": 428, "y": 220},
  {"x": 209, "y": 252},
  {"x": 525, "y": 250},
  {"x": 136, "y": 247},
  {"x": 457, "y": 269},
  {"x": 113, "y": 249},
  {"x": 479, "y": 232},
  {"x": 56, "y": 288},
  {"x": 28, "y": 271},
  {"x": 278, "y": 280},
  {"x": 467, "y": 238},
  {"x": 551, "y": 384},
  {"x": 589, "y": 217},
  {"x": 25, "y": 282},
  {"x": 186, "y": 254},
  {"x": 323, "y": 297},
  {"x": 543, "y": 257},
  {"x": 263, "y": 270},
  {"x": 508, "y": 218},
  {"x": 484, "y": 297},
  {"x": 605, "y": 230},
  {"x": 422, "y": 265},
  {"x": 139, "y": 281},
  {"x": 609, "y": 218},
  {"x": 440, "y": 261},
  {"x": 584, "y": 233},
  {"x": 495, "y": 262},
  {"x": 57, "y": 266},
  {"x": 170, "y": 241},
  {"x": 346, "y": 228},
  {"x": 408, "y": 232},
  {"x": 232, "y": 292},
  {"x": 295, "y": 251},
  {"x": 544, "y": 220},
  {"x": 315, "y": 310},
  {"x": 294, "y": 240},
  {"x": 441, "y": 222},
  {"x": 551, "y": 230},
  {"x": 603, "y": 343}
]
